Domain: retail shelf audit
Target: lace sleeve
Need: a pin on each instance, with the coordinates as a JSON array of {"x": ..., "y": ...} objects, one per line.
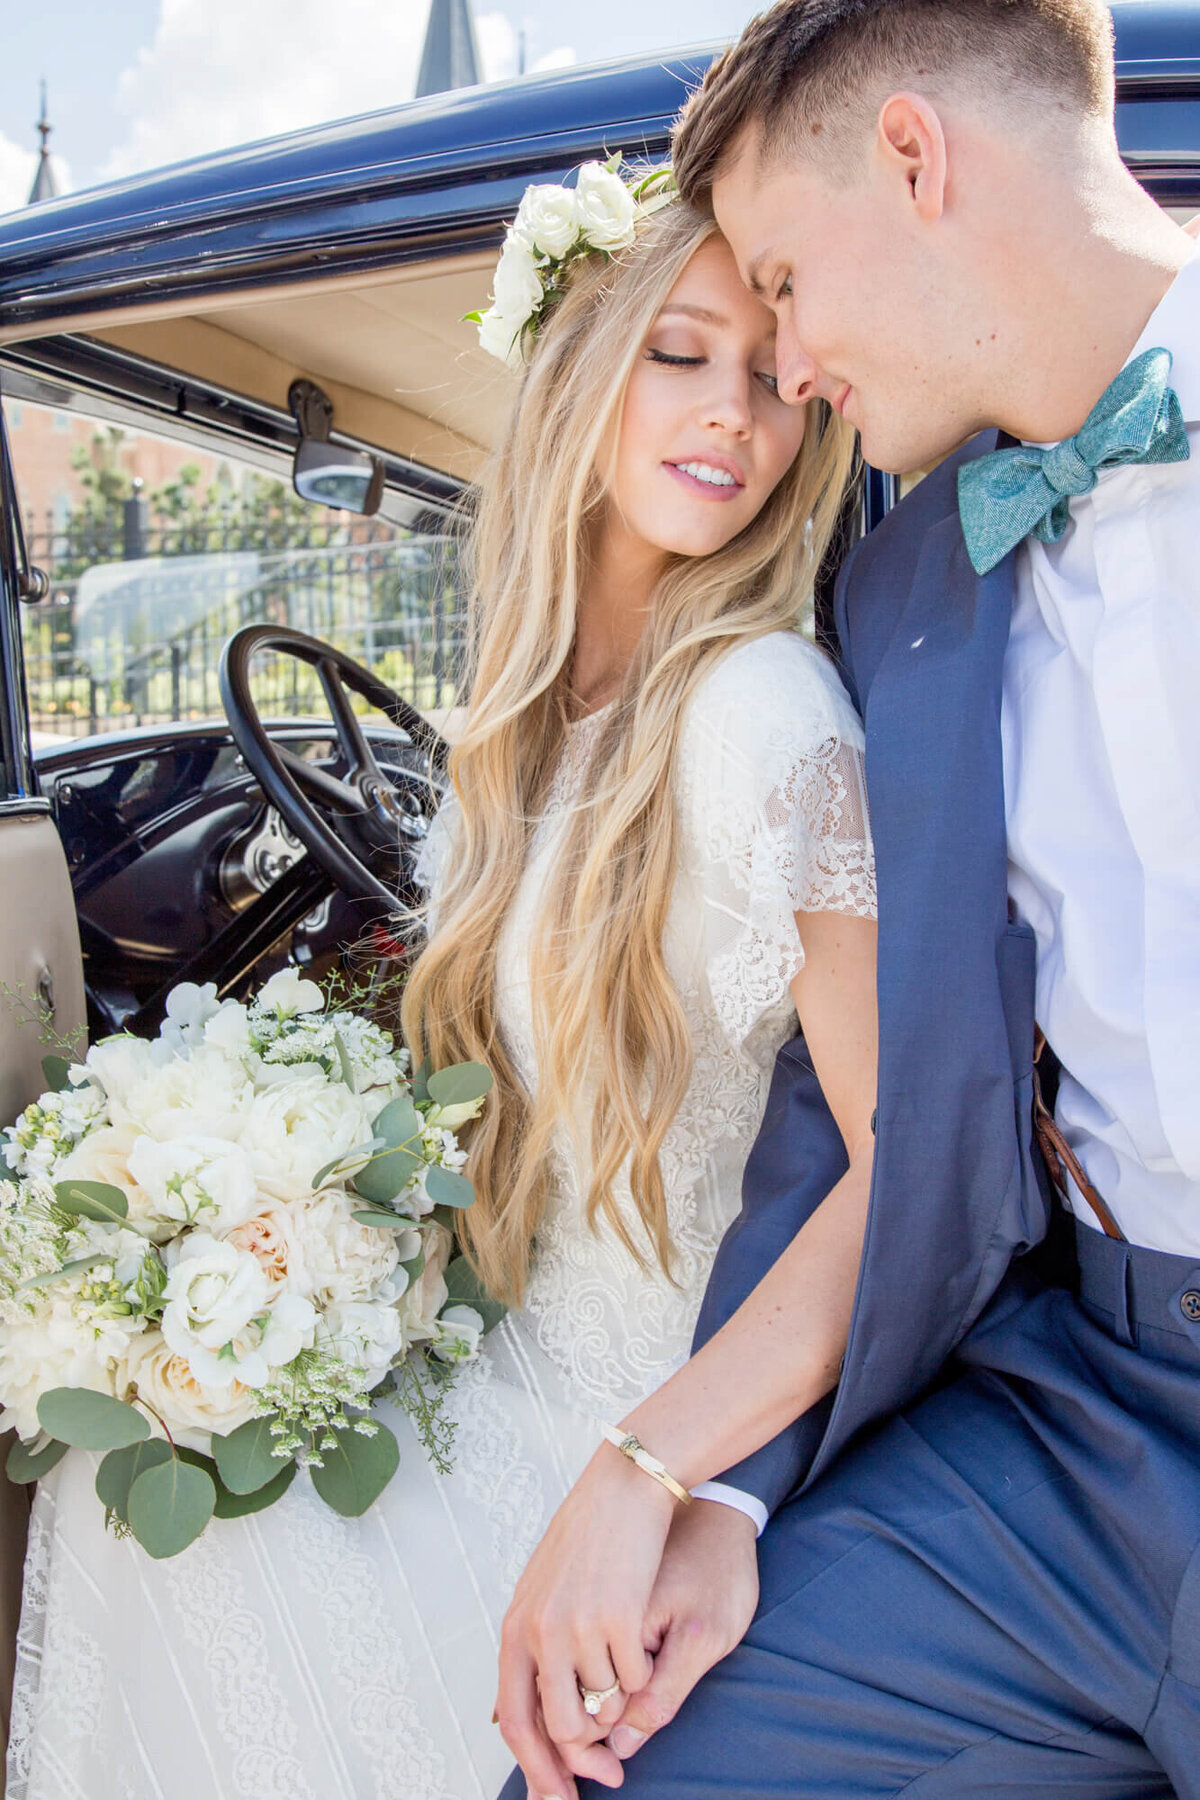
[
  {"x": 431, "y": 857},
  {"x": 775, "y": 821}
]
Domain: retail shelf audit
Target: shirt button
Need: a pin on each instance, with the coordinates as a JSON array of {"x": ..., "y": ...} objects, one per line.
[{"x": 1189, "y": 1305}]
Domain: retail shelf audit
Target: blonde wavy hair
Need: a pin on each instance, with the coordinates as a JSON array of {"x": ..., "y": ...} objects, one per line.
[{"x": 607, "y": 1018}]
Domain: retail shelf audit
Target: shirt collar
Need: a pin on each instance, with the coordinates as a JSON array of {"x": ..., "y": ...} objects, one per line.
[{"x": 1174, "y": 325}]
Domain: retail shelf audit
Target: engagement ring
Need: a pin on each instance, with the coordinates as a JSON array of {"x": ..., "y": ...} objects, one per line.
[{"x": 594, "y": 1698}]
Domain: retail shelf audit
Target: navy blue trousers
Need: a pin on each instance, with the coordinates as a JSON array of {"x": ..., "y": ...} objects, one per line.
[{"x": 998, "y": 1594}]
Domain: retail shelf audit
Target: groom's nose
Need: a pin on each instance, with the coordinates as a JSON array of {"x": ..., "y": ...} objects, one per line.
[{"x": 796, "y": 372}]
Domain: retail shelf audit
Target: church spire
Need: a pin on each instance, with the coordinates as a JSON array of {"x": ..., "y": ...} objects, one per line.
[
  {"x": 450, "y": 58},
  {"x": 45, "y": 181}
]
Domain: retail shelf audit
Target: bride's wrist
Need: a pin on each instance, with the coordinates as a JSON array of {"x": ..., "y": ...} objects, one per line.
[{"x": 624, "y": 1477}]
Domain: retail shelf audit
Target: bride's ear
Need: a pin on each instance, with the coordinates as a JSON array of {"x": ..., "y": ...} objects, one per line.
[{"x": 911, "y": 145}]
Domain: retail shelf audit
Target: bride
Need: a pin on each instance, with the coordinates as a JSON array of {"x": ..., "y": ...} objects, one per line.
[{"x": 657, "y": 850}]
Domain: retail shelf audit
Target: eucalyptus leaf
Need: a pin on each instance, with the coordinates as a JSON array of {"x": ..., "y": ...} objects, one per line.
[
  {"x": 169, "y": 1506},
  {"x": 92, "y": 1200},
  {"x": 347, "y": 1067},
  {"x": 27, "y": 1464},
  {"x": 356, "y": 1471},
  {"x": 465, "y": 1289},
  {"x": 416, "y": 1268},
  {"x": 460, "y": 1084},
  {"x": 445, "y": 1216},
  {"x": 420, "y": 1081},
  {"x": 89, "y": 1420},
  {"x": 399, "y": 1122},
  {"x": 244, "y": 1457},
  {"x": 237, "y": 1506},
  {"x": 387, "y": 1220},
  {"x": 121, "y": 1468},
  {"x": 56, "y": 1073},
  {"x": 68, "y": 1268},
  {"x": 446, "y": 1187},
  {"x": 356, "y": 1150},
  {"x": 391, "y": 1170}
]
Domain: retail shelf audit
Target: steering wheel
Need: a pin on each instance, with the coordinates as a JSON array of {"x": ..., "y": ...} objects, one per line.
[{"x": 369, "y": 806}]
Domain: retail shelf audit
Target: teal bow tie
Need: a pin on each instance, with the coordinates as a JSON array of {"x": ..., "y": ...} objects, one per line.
[{"x": 1005, "y": 496}]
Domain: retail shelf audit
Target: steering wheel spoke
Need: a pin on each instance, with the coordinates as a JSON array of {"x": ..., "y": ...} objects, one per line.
[{"x": 328, "y": 790}]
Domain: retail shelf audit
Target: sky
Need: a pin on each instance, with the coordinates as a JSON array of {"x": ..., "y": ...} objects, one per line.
[{"x": 134, "y": 84}]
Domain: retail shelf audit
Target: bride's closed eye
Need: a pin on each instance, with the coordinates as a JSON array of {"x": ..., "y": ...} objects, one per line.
[{"x": 672, "y": 361}]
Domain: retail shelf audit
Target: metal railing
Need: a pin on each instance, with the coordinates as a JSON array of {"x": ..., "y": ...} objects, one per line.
[{"x": 137, "y": 617}]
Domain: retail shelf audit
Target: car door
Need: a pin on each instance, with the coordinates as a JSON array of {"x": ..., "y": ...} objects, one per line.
[{"x": 41, "y": 972}]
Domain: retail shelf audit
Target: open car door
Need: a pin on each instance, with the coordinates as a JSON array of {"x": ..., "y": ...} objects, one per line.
[{"x": 41, "y": 972}]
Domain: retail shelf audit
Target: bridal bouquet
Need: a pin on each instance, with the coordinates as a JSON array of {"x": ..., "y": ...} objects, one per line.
[{"x": 217, "y": 1247}]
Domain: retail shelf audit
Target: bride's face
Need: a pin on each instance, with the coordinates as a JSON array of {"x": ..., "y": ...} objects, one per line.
[{"x": 704, "y": 437}]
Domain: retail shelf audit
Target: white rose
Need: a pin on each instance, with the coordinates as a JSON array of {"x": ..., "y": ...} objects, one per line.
[
  {"x": 300, "y": 1123},
  {"x": 517, "y": 286},
  {"x": 192, "y": 1410},
  {"x": 105, "y": 1156},
  {"x": 604, "y": 208},
  {"x": 546, "y": 221},
  {"x": 55, "y": 1348},
  {"x": 213, "y": 1292},
  {"x": 366, "y": 1334},
  {"x": 345, "y": 1260},
  {"x": 189, "y": 1179},
  {"x": 288, "y": 992},
  {"x": 501, "y": 337},
  {"x": 457, "y": 1335}
]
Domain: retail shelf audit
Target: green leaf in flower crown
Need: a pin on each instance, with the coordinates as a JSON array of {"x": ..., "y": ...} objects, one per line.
[
  {"x": 92, "y": 1200},
  {"x": 446, "y": 1187},
  {"x": 169, "y": 1506},
  {"x": 357, "y": 1470},
  {"x": 237, "y": 1506},
  {"x": 420, "y": 1082},
  {"x": 89, "y": 1420},
  {"x": 347, "y": 1156},
  {"x": 121, "y": 1468},
  {"x": 471, "y": 318},
  {"x": 465, "y": 1289},
  {"x": 390, "y": 1170},
  {"x": 27, "y": 1464},
  {"x": 460, "y": 1084},
  {"x": 244, "y": 1457},
  {"x": 56, "y": 1073}
]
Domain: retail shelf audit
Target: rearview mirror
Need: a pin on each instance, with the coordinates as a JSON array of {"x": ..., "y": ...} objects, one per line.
[{"x": 324, "y": 472}]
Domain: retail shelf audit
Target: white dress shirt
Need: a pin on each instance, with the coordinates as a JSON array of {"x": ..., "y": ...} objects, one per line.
[{"x": 1101, "y": 731}]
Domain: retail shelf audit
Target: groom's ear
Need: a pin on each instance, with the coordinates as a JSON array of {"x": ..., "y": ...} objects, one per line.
[{"x": 911, "y": 146}]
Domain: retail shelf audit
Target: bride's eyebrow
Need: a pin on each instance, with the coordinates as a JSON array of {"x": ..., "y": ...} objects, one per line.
[{"x": 702, "y": 313}]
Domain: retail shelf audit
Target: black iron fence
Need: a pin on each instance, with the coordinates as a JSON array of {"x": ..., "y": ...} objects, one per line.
[{"x": 137, "y": 615}]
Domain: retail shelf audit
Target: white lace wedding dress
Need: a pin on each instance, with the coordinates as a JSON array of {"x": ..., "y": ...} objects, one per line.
[{"x": 300, "y": 1656}]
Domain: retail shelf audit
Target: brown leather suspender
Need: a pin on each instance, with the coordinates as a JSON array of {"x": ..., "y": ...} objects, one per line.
[{"x": 1060, "y": 1158}]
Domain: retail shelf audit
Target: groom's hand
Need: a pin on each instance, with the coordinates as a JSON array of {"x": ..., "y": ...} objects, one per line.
[{"x": 701, "y": 1607}]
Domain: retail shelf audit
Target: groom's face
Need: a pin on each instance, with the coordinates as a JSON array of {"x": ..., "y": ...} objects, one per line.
[{"x": 860, "y": 313}]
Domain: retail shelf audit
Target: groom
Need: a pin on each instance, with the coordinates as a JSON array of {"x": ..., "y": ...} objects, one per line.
[{"x": 981, "y": 1574}]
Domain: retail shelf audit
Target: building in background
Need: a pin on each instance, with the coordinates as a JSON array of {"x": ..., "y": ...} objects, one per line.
[
  {"x": 46, "y": 184},
  {"x": 450, "y": 58}
]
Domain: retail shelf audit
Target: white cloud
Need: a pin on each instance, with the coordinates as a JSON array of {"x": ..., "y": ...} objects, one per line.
[
  {"x": 220, "y": 73},
  {"x": 17, "y": 169},
  {"x": 499, "y": 49}
]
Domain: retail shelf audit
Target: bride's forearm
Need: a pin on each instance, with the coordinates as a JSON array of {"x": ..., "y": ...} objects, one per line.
[{"x": 778, "y": 1355}]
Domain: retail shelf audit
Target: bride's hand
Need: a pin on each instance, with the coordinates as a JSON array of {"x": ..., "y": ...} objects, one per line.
[{"x": 579, "y": 1614}]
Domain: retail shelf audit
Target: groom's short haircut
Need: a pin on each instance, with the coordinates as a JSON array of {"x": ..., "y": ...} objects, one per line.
[{"x": 807, "y": 76}]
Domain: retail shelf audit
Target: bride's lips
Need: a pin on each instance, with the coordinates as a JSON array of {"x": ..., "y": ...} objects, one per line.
[{"x": 710, "y": 490}]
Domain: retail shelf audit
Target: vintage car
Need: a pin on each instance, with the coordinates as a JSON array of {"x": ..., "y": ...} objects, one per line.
[{"x": 173, "y": 808}]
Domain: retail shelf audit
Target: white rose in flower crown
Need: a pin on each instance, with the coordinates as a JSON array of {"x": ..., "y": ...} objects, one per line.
[
  {"x": 604, "y": 208},
  {"x": 193, "y": 1180},
  {"x": 345, "y": 1260},
  {"x": 191, "y": 1409},
  {"x": 500, "y": 336},
  {"x": 55, "y": 1348},
  {"x": 297, "y": 1125},
  {"x": 289, "y": 993},
  {"x": 517, "y": 286},
  {"x": 546, "y": 221}
]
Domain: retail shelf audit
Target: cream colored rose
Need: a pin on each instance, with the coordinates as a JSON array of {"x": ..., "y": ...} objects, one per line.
[
  {"x": 191, "y": 1409},
  {"x": 269, "y": 1239},
  {"x": 104, "y": 1156},
  {"x": 604, "y": 207}
]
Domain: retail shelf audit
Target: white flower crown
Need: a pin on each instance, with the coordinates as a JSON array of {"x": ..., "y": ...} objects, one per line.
[{"x": 555, "y": 226}]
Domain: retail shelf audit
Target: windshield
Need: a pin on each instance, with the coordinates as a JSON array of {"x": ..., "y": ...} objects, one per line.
[{"x": 158, "y": 548}]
